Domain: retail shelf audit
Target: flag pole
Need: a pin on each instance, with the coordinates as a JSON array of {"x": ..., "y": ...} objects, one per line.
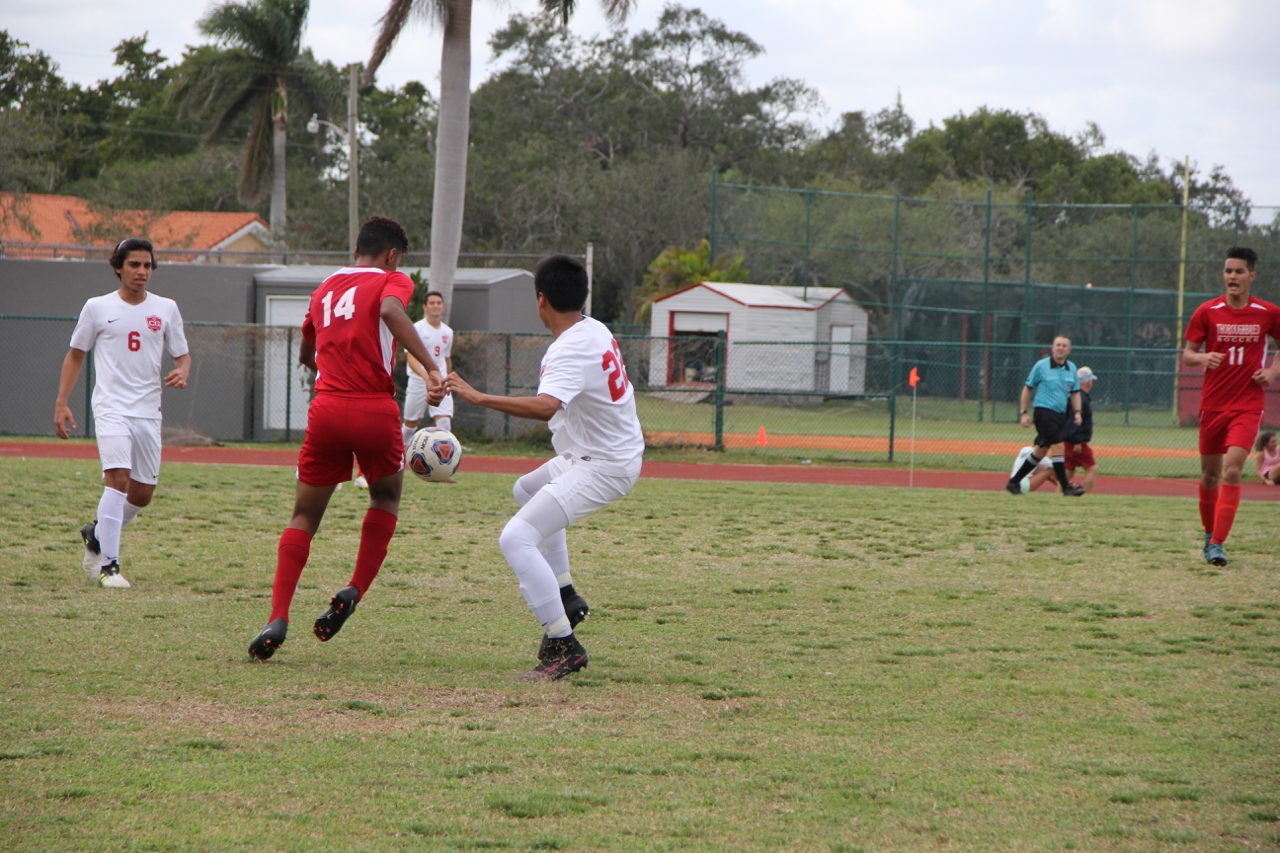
[{"x": 913, "y": 380}]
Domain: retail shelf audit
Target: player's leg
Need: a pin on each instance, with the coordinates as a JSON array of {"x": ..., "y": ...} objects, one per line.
[
  {"x": 115, "y": 450},
  {"x": 1214, "y": 428},
  {"x": 1090, "y": 478},
  {"x": 415, "y": 406},
  {"x": 1228, "y": 501},
  {"x": 1040, "y": 477},
  {"x": 374, "y": 435},
  {"x": 555, "y": 547}
]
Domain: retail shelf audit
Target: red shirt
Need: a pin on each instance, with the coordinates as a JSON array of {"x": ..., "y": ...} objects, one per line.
[
  {"x": 1240, "y": 334},
  {"x": 354, "y": 348}
]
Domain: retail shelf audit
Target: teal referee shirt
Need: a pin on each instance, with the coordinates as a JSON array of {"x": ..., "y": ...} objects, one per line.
[{"x": 1052, "y": 384}]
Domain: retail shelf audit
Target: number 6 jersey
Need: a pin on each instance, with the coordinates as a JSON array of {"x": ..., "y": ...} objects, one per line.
[
  {"x": 583, "y": 369},
  {"x": 129, "y": 342},
  {"x": 1240, "y": 334}
]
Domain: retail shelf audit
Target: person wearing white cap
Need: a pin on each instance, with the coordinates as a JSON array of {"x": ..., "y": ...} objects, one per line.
[{"x": 1077, "y": 447}]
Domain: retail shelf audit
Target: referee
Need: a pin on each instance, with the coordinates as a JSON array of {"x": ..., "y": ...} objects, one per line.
[{"x": 1054, "y": 383}]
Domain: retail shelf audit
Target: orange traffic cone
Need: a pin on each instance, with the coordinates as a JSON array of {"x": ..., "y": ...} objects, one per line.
[{"x": 762, "y": 439}]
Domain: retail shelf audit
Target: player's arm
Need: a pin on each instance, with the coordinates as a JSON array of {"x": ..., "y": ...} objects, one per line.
[
  {"x": 307, "y": 353},
  {"x": 1266, "y": 375},
  {"x": 416, "y": 367},
  {"x": 63, "y": 420},
  {"x": 1024, "y": 406},
  {"x": 401, "y": 327},
  {"x": 1193, "y": 357},
  {"x": 540, "y": 408},
  {"x": 1078, "y": 417},
  {"x": 177, "y": 377}
]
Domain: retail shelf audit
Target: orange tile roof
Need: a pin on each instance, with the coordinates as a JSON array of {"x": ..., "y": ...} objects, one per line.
[{"x": 64, "y": 220}]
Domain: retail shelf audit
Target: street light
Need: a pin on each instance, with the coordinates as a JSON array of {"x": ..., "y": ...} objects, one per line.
[{"x": 351, "y": 135}]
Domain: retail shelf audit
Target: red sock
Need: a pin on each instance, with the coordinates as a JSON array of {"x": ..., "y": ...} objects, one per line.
[
  {"x": 375, "y": 535},
  {"x": 1208, "y": 507},
  {"x": 291, "y": 559},
  {"x": 1228, "y": 503}
]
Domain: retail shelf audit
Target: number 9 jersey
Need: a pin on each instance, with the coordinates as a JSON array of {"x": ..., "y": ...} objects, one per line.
[
  {"x": 1240, "y": 334},
  {"x": 583, "y": 369},
  {"x": 354, "y": 348}
]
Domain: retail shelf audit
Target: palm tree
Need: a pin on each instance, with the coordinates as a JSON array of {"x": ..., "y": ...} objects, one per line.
[
  {"x": 449, "y": 194},
  {"x": 260, "y": 63}
]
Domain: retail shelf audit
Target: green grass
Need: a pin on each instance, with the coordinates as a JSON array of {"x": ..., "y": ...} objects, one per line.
[{"x": 772, "y": 668}]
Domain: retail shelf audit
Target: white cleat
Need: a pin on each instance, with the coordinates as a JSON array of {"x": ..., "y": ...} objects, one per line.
[
  {"x": 110, "y": 577},
  {"x": 361, "y": 482}
]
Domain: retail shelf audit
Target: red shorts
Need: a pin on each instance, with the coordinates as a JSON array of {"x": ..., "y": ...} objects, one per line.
[
  {"x": 1220, "y": 430},
  {"x": 342, "y": 427},
  {"x": 1078, "y": 456}
]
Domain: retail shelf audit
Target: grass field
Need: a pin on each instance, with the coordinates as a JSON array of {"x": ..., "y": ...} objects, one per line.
[{"x": 772, "y": 668}]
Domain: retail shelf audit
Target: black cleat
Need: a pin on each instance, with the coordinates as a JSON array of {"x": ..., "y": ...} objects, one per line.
[
  {"x": 269, "y": 639},
  {"x": 1013, "y": 487},
  {"x": 342, "y": 605},
  {"x": 558, "y": 657},
  {"x": 1073, "y": 491},
  {"x": 92, "y": 550},
  {"x": 1215, "y": 554}
]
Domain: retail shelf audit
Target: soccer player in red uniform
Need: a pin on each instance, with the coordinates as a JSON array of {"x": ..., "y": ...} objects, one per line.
[
  {"x": 1228, "y": 337},
  {"x": 349, "y": 336}
]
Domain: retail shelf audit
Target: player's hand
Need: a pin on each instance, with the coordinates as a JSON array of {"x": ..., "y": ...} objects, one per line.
[
  {"x": 1025, "y": 420},
  {"x": 177, "y": 378},
  {"x": 1212, "y": 359},
  {"x": 455, "y": 384},
  {"x": 1263, "y": 377},
  {"x": 63, "y": 420},
  {"x": 436, "y": 390},
  {"x": 1077, "y": 418}
]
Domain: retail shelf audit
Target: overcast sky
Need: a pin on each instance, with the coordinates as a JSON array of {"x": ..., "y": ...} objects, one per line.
[{"x": 1178, "y": 77}]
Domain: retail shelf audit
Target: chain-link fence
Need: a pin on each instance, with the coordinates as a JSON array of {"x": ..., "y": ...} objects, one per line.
[{"x": 793, "y": 401}]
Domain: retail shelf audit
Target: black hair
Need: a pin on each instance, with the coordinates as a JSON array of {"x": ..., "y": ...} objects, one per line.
[
  {"x": 431, "y": 293},
  {"x": 564, "y": 281},
  {"x": 131, "y": 244},
  {"x": 1263, "y": 438},
  {"x": 381, "y": 234},
  {"x": 1243, "y": 253}
]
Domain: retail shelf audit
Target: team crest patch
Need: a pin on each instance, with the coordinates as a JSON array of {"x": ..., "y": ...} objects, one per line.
[{"x": 153, "y": 323}]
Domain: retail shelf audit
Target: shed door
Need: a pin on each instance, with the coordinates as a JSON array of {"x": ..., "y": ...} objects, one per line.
[
  {"x": 841, "y": 358},
  {"x": 286, "y": 384}
]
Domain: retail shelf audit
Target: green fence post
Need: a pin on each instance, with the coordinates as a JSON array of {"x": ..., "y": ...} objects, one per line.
[
  {"x": 893, "y": 408},
  {"x": 720, "y": 382},
  {"x": 808, "y": 209},
  {"x": 506, "y": 419},
  {"x": 288, "y": 386},
  {"x": 715, "y": 180},
  {"x": 986, "y": 281},
  {"x": 1028, "y": 296}
]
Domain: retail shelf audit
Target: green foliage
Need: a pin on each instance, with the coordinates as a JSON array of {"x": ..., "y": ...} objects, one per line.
[{"x": 677, "y": 268}]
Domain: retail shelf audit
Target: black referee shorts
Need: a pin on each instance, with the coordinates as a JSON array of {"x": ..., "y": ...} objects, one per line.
[{"x": 1051, "y": 426}]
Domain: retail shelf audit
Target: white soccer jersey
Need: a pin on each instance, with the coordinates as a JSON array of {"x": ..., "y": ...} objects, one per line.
[
  {"x": 583, "y": 369},
  {"x": 128, "y": 342},
  {"x": 439, "y": 344}
]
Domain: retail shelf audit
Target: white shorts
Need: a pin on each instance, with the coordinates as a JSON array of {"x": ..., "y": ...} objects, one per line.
[
  {"x": 130, "y": 443},
  {"x": 415, "y": 403},
  {"x": 580, "y": 487}
]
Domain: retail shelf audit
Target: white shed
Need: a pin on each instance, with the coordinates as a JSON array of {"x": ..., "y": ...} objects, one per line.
[{"x": 777, "y": 338}]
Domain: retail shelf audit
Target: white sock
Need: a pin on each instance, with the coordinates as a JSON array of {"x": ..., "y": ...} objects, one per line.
[
  {"x": 407, "y": 432},
  {"x": 555, "y": 550},
  {"x": 445, "y": 423},
  {"x": 130, "y": 513},
  {"x": 519, "y": 543},
  {"x": 110, "y": 520}
]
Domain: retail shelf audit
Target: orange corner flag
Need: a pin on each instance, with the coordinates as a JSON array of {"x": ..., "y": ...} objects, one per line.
[
  {"x": 762, "y": 439},
  {"x": 914, "y": 379}
]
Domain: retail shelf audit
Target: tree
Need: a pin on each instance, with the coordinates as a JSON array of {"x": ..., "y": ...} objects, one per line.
[
  {"x": 263, "y": 61},
  {"x": 677, "y": 268},
  {"x": 449, "y": 192}
]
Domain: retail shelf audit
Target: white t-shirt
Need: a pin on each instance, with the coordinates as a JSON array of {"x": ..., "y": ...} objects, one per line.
[
  {"x": 439, "y": 344},
  {"x": 128, "y": 342},
  {"x": 583, "y": 369},
  {"x": 1025, "y": 452}
]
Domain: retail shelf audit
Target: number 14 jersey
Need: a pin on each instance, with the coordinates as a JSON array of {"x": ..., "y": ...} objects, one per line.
[
  {"x": 354, "y": 348},
  {"x": 1240, "y": 334},
  {"x": 583, "y": 369}
]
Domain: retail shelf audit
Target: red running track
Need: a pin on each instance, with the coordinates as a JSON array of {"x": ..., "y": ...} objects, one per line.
[{"x": 924, "y": 479}]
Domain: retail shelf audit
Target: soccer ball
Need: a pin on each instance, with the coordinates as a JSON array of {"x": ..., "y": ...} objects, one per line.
[{"x": 433, "y": 454}]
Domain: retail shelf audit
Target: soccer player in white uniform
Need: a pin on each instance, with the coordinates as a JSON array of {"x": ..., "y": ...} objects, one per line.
[
  {"x": 585, "y": 397},
  {"x": 129, "y": 331},
  {"x": 437, "y": 337}
]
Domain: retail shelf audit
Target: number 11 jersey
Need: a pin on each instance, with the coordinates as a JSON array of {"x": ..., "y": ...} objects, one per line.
[
  {"x": 583, "y": 369},
  {"x": 354, "y": 348},
  {"x": 1240, "y": 334}
]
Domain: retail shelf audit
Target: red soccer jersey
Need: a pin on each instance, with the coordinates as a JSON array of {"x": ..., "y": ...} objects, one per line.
[
  {"x": 354, "y": 348},
  {"x": 1240, "y": 334}
]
